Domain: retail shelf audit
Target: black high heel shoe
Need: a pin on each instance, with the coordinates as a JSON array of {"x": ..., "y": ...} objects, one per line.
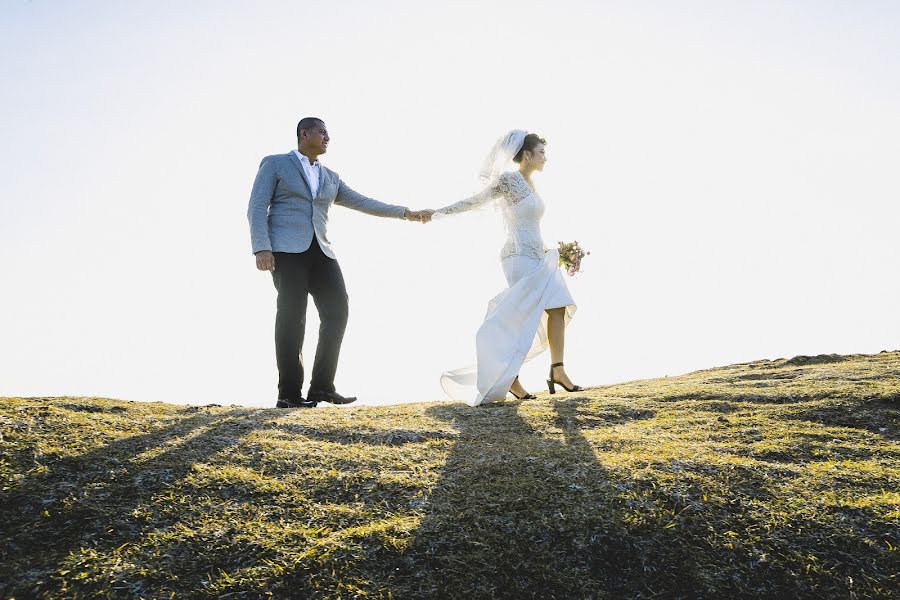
[
  {"x": 526, "y": 396},
  {"x": 551, "y": 382}
]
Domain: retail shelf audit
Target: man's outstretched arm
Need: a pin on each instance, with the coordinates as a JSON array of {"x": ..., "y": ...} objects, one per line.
[{"x": 352, "y": 199}]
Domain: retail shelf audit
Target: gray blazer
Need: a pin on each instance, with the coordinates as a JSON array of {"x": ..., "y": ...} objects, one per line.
[{"x": 283, "y": 214}]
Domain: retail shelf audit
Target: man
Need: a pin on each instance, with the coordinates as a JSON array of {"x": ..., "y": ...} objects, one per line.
[{"x": 288, "y": 216}]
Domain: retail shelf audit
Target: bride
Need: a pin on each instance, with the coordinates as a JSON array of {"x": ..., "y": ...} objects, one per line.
[{"x": 533, "y": 311}]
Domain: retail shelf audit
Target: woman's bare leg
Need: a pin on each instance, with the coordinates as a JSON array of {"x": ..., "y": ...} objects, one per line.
[
  {"x": 556, "y": 336},
  {"x": 517, "y": 388}
]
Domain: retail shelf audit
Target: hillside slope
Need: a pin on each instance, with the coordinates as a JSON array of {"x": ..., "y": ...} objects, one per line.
[{"x": 773, "y": 478}]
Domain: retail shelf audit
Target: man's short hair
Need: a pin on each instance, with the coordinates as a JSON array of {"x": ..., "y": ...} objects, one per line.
[{"x": 307, "y": 123}]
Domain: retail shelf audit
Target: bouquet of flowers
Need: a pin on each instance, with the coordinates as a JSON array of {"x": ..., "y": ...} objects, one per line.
[{"x": 570, "y": 255}]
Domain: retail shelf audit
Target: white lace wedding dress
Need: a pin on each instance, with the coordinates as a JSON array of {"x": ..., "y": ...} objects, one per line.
[{"x": 515, "y": 326}]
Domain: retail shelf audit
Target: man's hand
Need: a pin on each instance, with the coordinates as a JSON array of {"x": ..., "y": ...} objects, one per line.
[
  {"x": 422, "y": 216},
  {"x": 265, "y": 260}
]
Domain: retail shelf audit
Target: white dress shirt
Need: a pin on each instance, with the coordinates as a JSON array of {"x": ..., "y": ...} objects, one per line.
[{"x": 312, "y": 173}]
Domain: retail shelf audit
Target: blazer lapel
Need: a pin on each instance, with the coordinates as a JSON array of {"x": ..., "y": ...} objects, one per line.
[{"x": 299, "y": 166}]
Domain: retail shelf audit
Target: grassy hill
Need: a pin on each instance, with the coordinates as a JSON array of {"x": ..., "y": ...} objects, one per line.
[{"x": 768, "y": 479}]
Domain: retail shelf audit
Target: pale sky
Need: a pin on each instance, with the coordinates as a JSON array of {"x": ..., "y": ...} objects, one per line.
[{"x": 732, "y": 167}]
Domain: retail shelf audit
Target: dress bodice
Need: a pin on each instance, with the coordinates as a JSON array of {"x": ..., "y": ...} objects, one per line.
[{"x": 522, "y": 210}]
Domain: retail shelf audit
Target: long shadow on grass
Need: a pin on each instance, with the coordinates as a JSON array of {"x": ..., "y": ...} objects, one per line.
[
  {"x": 521, "y": 513},
  {"x": 343, "y": 435},
  {"x": 90, "y": 500}
]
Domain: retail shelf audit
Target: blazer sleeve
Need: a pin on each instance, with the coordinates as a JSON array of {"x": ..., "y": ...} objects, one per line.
[
  {"x": 351, "y": 199},
  {"x": 258, "y": 209}
]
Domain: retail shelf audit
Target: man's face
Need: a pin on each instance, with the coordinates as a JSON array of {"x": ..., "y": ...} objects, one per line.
[{"x": 316, "y": 139}]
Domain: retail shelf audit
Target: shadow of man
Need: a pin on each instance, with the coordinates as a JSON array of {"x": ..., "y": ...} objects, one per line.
[{"x": 89, "y": 500}]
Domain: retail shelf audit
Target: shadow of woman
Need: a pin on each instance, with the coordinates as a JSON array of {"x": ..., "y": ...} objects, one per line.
[{"x": 523, "y": 509}]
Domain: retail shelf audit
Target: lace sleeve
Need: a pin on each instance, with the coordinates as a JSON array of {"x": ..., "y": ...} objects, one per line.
[
  {"x": 513, "y": 188},
  {"x": 482, "y": 198}
]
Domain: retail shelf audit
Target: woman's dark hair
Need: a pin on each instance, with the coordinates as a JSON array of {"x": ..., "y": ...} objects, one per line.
[{"x": 532, "y": 140}]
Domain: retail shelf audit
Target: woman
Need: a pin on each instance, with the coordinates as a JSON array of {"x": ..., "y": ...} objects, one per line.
[{"x": 533, "y": 311}]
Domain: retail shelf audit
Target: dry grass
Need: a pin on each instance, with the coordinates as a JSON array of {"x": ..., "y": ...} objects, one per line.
[{"x": 768, "y": 479}]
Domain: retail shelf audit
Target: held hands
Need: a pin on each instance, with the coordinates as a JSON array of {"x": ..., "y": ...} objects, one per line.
[{"x": 422, "y": 216}]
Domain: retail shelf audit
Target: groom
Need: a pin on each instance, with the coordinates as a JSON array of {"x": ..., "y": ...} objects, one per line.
[{"x": 288, "y": 216}]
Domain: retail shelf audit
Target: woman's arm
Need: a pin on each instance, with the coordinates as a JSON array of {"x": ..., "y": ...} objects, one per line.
[{"x": 480, "y": 199}]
